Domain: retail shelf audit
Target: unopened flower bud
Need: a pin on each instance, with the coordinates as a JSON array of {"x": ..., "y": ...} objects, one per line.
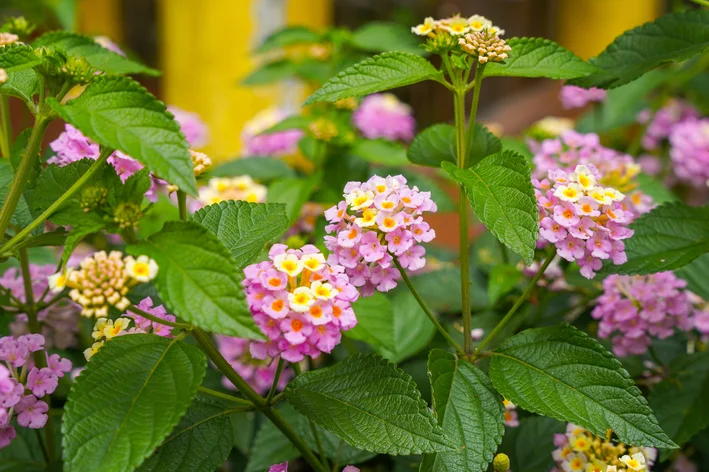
[
  {"x": 127, "y": 215},
  {"x": 200, "y": 162},
  {"x": 19, "y": 26},
  {"x": 501, "y": 463},
  {"x": 346, "y": 103},
  {"x": 78, "y": 69},
  {"x": 486, "y": 45},
  {"x": 323, "y": 129},
  {"x": 92, "y": 196}
]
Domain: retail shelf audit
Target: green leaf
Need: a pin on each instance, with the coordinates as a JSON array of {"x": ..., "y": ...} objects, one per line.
[
  {"x": 24, "y": 453},
  {"x": 654, "y": 188},
  {"x": 375, "y": 324},
  {"x": 200, "y": 443},
  {"x": 468, "y": 409},
  {"x": 381, "y": 36},
  {"x": 500, "y": 191},
  {"x": 561, "y": 372},
  {"x": 259, "y": 168},
  {"x": 270, "y": 447},
  {"x": 18, "y": 56},
  {"x": 376, "y": 74},
  {"x": 127, "y": 400},
  {"x": 529, "y": 446},
  {"x": 22, "y": 215},
  {"x": 293, "y": 192},
  {"x": 437, "y": 144},
  {"x": 380, "y": 151},
  {"x": 270, "y": 72},
  {"x": 503, "y": 279},
  {"x": 99, "y": 57},
  {"x": 244, "y": 228},
  {"x": 289, "y": 36},
  {"x": 695, "y": 274},
  {"x": 22, "y": 82},
  {"x": 539, "y": 57},
  {"x": 118, "y": 113},
  {"x": 671, "y": 38},
  {"x": 370, "y": 404},
  {"x": 289, "y": 123},
  {"x": 669, "y": 237},
  {"x": 198, "y": 279},
  {"x": 681, "y": 402}
]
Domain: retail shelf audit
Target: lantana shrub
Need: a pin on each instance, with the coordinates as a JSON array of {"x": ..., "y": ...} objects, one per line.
[{"x": 293, "y": 308}]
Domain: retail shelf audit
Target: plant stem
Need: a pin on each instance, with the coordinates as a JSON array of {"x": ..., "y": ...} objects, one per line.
[
  {"x": 23, "y": 171},
  {"x": 182, "y": 204},
  {"x": 425, "y": 308},
  {"x": 522, "y": 298},
  {"x": 318, "y": 443},
  {"x": 145, "y": 314},
  {"x": 95, "y": 167},
  {"x": 276, "y": 378},
  {"x": 40, "y": 360},
  {"x": 6, "y": 131},
  {"x": 205, "y": 341},
  {"x": 224, "y": 396}
]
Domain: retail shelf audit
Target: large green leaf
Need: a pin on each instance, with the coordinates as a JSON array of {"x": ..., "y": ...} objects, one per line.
[
  {"x": 118, "y": 113},
  {"x": 99, "y": 57},
  {"x": 681, "y": 402},
  {"x": 376, "y": 74},
  {"x": 561, "y": 372},
  {"x": 270, "y": 72},
  {"x": 673, "y": 37},
  {"x": 198, "y": 278},
  {"x": 259, "y": 168},
  {"x": 130, "y": 396},
  {"x": 695, "y": 274},
  {"x": 370, "y": 404},
  {"x": 293, "y": 192},
  {"x": 22, "y": 82},
  {"x": 244, "y": 228},
  {"x": 380, "y": 151},
  {"x": 18, "y": 56},
  {"x": 669, "y": 237},
  {"x": 200, "y": 443},
  {"x": 468, "y": 409},
  {"x": 539, "y": 57},
  {"x": 529, "y": 446},
  {"x": 500, "y": 191},
  {"x": 382, "y": 36},
  {"x": 437, "y": 144}
]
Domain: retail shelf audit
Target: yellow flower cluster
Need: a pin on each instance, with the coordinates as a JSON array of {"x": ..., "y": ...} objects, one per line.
[
  {"x": 104, "y": 330},
  {"x": 456, "y": 26},
  {"x": 220, "y": 189}
]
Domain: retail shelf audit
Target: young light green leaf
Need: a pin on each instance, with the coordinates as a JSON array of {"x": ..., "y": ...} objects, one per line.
[
  {"x": 118, "y": 113},
  {"x": 289, "y": 36},
  {"x": 380, "y": 151},
  {"x": 383, "y": 72},
  {"x": 468, "y": 409},
  {"x": 681, "y": 402},
  {"x": 259, "y": 168},
  {"x": 561, "y": 372},
  {"x": 198, "y": 279},
  {"x": 99, "y": 57},
  {"x": 529, "y": 446},
  {"x": 270, "y": 72},
  {"x": 669, "y": 237},
  {"x": 695, "y": 274},
  {"x": 130, "y": 396},
  {"x": 673, "y": 37},
  {"x": 500, "y": 191},
  {"x": 244, "y": 228},
  {"x": 201, "y": 442},
  {"x": 382, "y": 36},
  {"x": 437, "y": 144},
  {"x": 539, "y": 57},
  {"x": 370, "y": 404}
]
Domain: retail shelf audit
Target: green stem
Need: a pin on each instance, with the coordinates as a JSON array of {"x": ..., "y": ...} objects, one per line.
[
  {"x": 276, "y": 378},
  {"x": 425, "y": 308},
  {"x": 205, "y": 341},
  {"x": 182, "y": 204},
  {"x": 95, "y": 167},
  {"x": 145, "y": 314},
  {"x": 6, "y": 131},
  {"x": 224, "y": 396},
  {"x": 522, "y": 298},
  {"x": 318, "y": 443},
  {"x": 40, "y": 360},
  {"x": 23, "y": 171}
]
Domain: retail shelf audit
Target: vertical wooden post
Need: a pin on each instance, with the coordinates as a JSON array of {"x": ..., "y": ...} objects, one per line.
[{"x": 101, "y": 17}]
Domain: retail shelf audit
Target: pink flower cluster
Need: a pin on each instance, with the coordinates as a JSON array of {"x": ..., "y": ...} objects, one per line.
[
  {"x": 300, "y": 302},
  {"x": 382, "y": 115},
  {"x": 572, "y": 96},
  {"x": 22, "y": 384},
  {"x": 60, "y": 321},
  {"x": 617, "y": 170},
  {"x": 281, "y": 143},
  {"x": 689, "y": 151},
  {"x": 586, "y": 222},
  {"x": 378, "y": 220},
  {"x": 258, "y": 373},
  {"x": 639, "y": 308},
  {"x": 195, "y": 130},
  {"x": 660, "y": 126},
  {"x": 144, "y": 325}
]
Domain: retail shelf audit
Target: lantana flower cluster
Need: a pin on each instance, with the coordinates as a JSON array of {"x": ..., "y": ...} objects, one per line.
[
  {"x": 104, "y": 279},
  {"x": 59, "y": 320},
  {"x": 511, "y": 417},
  {"x": 579, "y": 450},
  {"x": 22, "y": 384},
  {"x": 378, "y": 220},
  {"x": 639, "y": 308},
  {"x": 660, "y": 125},
  {"x": 585, "y": 221},
  {"x": 300, "y": 301},
  {"x": 572, "y": 96},
  {"x": 283, "y": 467},
  {"x": 242, "y": 187},
  {"x": 281, "y": 143},
  {"x": 382, "y": 115},
  {"x": 258, "y": 373},
  {"x": 689, "y": 151},
  {"x": 617, "y": 170},
  {"x": 191, "y": 124}
]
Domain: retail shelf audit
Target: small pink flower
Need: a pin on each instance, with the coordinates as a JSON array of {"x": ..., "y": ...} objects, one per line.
[
  {"x": 7, "y": 434},
  {"x": 32, "y": 412},
  {"x": 384, "y": 116},
  {"x": 42, "y": 382},
  {"x": 57, "y": 365},
  {"x": 577, "y": 97},
  {"x": 279, "y": 467}
]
